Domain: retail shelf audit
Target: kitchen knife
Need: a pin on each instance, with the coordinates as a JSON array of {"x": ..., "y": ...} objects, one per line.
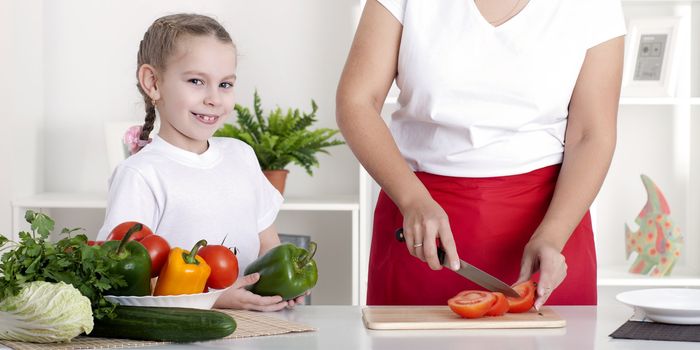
[{"x": 471, "y": 272}]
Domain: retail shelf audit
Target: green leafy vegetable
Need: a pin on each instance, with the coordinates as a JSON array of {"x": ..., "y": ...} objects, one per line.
[
  {"x": 70, "y": 260},
  {"x": 45, "y": 312}
]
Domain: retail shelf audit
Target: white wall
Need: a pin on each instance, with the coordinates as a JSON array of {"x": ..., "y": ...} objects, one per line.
[
  {"x": 68, "y": 67},
  {"x": 22, "y": 99},
  {"x": 291, "y": 51}
]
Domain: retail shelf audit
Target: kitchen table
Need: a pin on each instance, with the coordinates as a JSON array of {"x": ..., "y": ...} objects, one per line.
[{"x": 341, "y": 327}]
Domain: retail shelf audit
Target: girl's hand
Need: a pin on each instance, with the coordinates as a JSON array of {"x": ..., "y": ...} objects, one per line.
[
  {"x": 298, "y": 300},
  {"x": 546, "y": 257},
  {"x": 237, "y": 297},
  {"x": 424, "y": 220}
]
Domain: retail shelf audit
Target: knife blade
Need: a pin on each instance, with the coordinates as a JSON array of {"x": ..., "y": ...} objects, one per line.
[{"x": 471, "y": 272}]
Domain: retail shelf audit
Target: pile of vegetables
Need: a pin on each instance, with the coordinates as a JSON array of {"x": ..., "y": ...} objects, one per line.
[
  {"x": 285, "y": 270},
  {"x": 70, "y": 260},
  {"x": 145, "y": 255},
  {"x": 50, "y": 292},
  {"x": 54, "y": 291}
]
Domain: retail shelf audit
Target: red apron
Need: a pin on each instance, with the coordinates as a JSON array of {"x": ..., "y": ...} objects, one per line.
[{"x": 491, "y": 219}]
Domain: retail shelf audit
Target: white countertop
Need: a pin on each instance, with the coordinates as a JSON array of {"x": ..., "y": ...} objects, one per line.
[{"x": 341, "y": 327}]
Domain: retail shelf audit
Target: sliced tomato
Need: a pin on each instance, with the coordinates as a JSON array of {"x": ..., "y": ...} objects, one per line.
[
  {"x": 500, "y": 307},
  {"x": 159, "y": 249},
  {"x": 120, "y": 230},
  {"x": 526, "y": 300},
  {"x": 471, "y": 303}
]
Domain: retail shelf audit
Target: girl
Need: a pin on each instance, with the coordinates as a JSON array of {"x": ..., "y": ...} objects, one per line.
[
  {"x": 185, "y": 184},
  {"x": 490, "y": 89}
]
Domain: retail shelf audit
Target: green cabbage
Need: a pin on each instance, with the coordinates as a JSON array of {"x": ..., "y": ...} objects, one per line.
[{"x": 45, "y": 312}]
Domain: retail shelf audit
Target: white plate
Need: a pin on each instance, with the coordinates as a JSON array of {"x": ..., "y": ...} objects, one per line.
[
  {"x": 195, "y": 301},
  {"x": 667, "y": 305}
]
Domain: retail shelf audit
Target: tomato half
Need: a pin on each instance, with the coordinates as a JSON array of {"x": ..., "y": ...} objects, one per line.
[
  {"x": 526, "y": 300},
  {"x": 223, "y": 263},
  {"x": 120, "y": 230},
  {"x": 500, "y": 307},
  {"x": 158, "y": 248},
  {"x": 471, "y": 303}
]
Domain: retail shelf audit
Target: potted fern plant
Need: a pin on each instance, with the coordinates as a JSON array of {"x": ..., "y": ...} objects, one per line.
[{"x": 280, "y": 138}]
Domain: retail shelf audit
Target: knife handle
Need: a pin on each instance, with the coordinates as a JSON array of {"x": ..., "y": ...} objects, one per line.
[{"x": 440, "y": 252}]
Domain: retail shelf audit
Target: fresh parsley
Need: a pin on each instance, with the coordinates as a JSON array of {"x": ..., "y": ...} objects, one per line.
[{"x": 70, "y": 260}]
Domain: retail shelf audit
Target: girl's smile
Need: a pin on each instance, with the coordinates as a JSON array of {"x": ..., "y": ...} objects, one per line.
[{"x": 208, "y": 119}]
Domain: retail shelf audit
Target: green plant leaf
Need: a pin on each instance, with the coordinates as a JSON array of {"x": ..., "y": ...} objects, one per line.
[
  {"x": 281, "y": 137},
  {"x": 71, "y": 260}
]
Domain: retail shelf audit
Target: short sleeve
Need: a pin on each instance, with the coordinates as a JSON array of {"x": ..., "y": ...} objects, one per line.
[
  {"x": 607, "y": 21},
  {"x": 130, "y": 199},
  {"x": 269, "y": 200},
  {"x": 395, "y": 7}
]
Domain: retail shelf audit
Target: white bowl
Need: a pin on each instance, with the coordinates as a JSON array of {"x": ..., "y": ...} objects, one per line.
[
  {"x": 194, "y": 301},
  {"x": 667, "y": 305}
]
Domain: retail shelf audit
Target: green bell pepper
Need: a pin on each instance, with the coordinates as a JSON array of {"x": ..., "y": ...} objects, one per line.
[
  {"x": 131, "y": 260},
  {"x": 285, "y": 270}
]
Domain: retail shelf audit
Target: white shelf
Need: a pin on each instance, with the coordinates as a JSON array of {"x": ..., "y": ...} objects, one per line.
[
  {"x": 617, "y": 276},
  {"x": 60, "y": 200},
  {"x": 660, "y": 101},
  {"x": 331, "y": 203}
]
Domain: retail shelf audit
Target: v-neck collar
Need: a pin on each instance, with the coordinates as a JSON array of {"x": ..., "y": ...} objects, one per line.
[{"x": 503, "y": 26}]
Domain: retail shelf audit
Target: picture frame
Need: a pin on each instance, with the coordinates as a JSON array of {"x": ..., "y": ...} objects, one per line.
[{"x": 651, "y": 66}]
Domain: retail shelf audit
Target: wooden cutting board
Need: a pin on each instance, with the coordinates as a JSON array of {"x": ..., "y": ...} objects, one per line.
[{"x": 441, "y": 317}]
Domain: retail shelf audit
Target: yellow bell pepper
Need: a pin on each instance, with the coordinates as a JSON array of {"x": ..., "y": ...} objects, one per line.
[{"x": 183, "y": 273}]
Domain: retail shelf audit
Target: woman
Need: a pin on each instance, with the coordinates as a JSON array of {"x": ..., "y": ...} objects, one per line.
[{"x": 476, "y": 157}]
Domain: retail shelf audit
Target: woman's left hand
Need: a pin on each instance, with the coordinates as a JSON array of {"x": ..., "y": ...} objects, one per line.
[{"x": 546, "y": 257}]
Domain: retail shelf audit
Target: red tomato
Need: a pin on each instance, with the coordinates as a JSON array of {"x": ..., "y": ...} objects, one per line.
[
  {"x": 118, "y": 232},
  {"x": 526, "y": 300},
  {"x": 500, "y": 307},
  {"x": 91, "y": 243},
  {"x": 472, "y": 303},
  {"x": 158, "y": 248},
  {"x": 223, "y": 264}
]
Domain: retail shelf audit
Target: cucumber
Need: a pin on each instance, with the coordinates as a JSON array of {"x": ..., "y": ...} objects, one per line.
[{"x": 172, "y": 324}]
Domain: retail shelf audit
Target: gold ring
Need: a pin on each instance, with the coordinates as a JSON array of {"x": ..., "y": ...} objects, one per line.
[{"x": 417, "y": 245}]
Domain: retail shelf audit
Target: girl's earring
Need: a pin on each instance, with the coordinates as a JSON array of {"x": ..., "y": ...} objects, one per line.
[{"x": 154, "y": 103}]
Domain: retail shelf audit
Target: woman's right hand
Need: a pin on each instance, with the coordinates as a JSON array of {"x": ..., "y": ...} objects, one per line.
[
  {"x": 424, "y": 221},
  {"x": 237, "y": 297}
]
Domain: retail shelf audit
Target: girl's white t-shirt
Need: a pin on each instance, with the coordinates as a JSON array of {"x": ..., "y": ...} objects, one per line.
[
  {"x": 185, "y": 197},
  {"x": 478, "y": 100}
]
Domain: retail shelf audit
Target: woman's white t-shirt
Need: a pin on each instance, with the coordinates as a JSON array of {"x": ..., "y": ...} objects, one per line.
[
  {"x": 185, "y": 197},
  {"x": 478, "y": 100}
]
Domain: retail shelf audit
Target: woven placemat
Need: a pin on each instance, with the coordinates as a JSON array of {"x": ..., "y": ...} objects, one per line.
[
  {"x": 248, "y": 324},
  {"x": 657, "y": 331}
]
